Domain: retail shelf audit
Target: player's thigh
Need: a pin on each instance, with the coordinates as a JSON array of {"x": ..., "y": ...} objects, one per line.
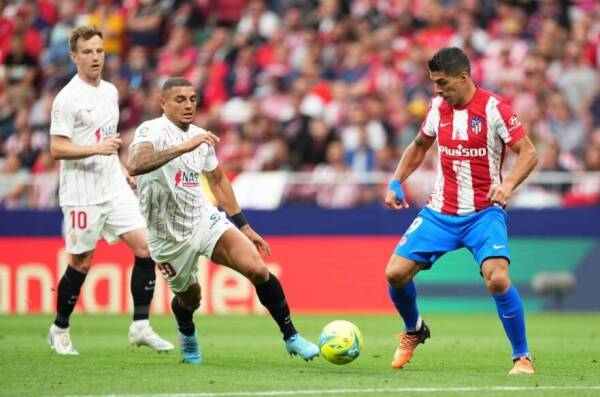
[
  {"x": 136, "y": 240},
  {"x": 124, "y": 216},
  {"x": 82, "y": 226},
  {"x": 487, "y": 235},
  {"x": 237, "y": 252},
  {"x": 427, "y": 238},
  {"x": 180, "y": 270}
]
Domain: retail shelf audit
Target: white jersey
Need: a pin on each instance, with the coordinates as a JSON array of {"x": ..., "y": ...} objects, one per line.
[
  {"x": 171, "y": 197},
  {"x": 86, "y": 115}
]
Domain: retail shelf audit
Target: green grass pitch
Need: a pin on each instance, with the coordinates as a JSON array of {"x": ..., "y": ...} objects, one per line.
[{"x": 244, "y": 356}]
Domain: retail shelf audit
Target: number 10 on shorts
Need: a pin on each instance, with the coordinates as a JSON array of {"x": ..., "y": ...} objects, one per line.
[{"x": 78, "y": 219}]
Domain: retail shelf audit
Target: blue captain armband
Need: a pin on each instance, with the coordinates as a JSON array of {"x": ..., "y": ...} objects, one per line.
[{"x": 396, "y": 187}]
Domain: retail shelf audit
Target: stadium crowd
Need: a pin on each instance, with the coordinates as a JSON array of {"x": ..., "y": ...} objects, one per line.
[{"x": 327, "y": 86}]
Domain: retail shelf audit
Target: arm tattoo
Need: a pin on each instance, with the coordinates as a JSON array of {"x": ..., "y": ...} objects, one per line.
[
  {"x": 144, "y": 158},
  {"x": 419, "y": 140}
]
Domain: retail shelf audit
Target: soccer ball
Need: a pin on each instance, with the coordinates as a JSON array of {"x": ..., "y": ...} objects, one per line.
[{"x": 340, "y": 342}]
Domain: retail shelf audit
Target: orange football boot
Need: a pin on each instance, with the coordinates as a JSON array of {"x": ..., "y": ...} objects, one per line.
[
  {"x": 523, "y": 366},
  {"x": 408, "y": 343}
]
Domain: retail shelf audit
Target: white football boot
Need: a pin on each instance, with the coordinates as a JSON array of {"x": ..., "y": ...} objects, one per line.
[
  {"x": 142, "y": 334},
  {"x": 60, "y": 340}
]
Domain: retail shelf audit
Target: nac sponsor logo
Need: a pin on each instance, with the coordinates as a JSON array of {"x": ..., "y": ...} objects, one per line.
[
  {"x": 105, "y": 132},
  {"x": 460, "y": 151},
  {"x": 187, "y": 178}
]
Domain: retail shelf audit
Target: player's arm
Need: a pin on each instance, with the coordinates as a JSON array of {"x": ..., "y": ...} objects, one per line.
[
  {"x": 526, "y": 161},
  {"x": 221, "y": 188},
  {"x": 412, "y": 157},
  {"x": 144, "y": 158},
  {"x": 61, "y": 148}
]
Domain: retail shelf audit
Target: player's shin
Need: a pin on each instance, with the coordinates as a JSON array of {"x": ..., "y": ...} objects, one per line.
[
  {"x": 511, "y": 313},
  {"x": 143, "y": 279},
  {"x": 405, "y": 301},
  {"x": 184, "y": 317},
  {"x": 271, "y": 295},
  {"x": 68, "y": 293}
]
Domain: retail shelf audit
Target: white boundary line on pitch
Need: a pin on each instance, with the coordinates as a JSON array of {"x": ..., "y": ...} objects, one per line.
[{"x": 366, "y": 391}]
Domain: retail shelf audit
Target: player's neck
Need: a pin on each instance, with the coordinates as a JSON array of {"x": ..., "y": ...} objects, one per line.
[
  {"x": 182, "y": 127},
  {"x": 94, "y": 82}
]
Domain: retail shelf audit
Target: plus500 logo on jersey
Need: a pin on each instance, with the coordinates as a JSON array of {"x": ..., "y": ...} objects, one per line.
[
  {"x": 463, "y": 151},
  {"x": 187, "y": 178}
]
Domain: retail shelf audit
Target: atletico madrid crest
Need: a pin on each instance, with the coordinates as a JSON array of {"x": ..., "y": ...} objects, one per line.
[{"x": 476, "y": 125}]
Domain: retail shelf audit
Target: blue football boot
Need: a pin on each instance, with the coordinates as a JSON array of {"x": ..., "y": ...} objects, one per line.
[
  {"x": 190, "y": 350},
  {"x": 302, "y": 347}
]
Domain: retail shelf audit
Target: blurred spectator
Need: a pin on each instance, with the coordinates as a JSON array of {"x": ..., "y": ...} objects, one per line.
[
  {"x": 332, "y": 188},
  {"x": 13, "y": 183},
  {"x": 44, "y": 182},
  {"x": 145, "y": 22},
  {"x": 258, "y": 22},
  {"x": 179, "y": 57},
  {"x": 586, "y": 191},
  {"x": 578, "y": 81},
  {"x": 110, "y": 19},
  {"x": 566, "y": 127}
]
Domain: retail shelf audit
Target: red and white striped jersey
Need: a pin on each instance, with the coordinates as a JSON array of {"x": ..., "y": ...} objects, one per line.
[
  {"x": 171, "y": 197},
  {"x": 471, "y": 142},
  {"x": 87, "y": 114}
]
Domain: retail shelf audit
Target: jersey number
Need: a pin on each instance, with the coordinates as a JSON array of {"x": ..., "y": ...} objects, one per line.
[
  {"x": 78, "y": 219},
  {"x": 166, "y": 269}
]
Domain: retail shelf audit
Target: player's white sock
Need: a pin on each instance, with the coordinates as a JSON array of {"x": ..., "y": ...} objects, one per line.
[{"x": 139, "y": 324}]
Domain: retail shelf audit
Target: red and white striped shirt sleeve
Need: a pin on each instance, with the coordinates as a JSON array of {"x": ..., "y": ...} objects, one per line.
[{"x": 507, "y": 126}]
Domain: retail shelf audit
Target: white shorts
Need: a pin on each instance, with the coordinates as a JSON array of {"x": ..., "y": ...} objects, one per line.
[
  {"x": 84, "y": 226},
  {"x": 178, "y": 261}
]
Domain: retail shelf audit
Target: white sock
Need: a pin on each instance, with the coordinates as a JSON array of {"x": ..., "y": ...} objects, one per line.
[{"x": 139, "y": 324}]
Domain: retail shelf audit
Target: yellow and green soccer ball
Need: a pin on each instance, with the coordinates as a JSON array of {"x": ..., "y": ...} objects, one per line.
[{"x": 340, "y": 342}]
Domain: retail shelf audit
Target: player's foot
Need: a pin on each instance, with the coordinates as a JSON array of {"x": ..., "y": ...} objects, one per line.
[
  {"x": 408, "y": 343},
  {"x": 60, "y": 341},
  {"x": 523, "y": 366},
  {"x": 145, "y": 336},
  {"x": 302, "y": 347},
  {"x": 190, "y": 350}
]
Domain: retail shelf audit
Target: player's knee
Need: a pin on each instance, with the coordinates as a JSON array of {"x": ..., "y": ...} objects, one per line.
[
  {"x": 142, "y": 251},
  {"x": 191, "y": 302},
  {"x": 497, "y": 281},
  {"x": 258, "y": 274},
  {"x": 81, "y": 262},
  {"x": 396, "y": 276}
]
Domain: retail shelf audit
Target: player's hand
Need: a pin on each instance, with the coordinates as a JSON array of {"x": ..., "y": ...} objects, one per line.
[
  {"x": 500, "y": 194},
  {"x": 259, "y": 242},
  {"x": 131, "y": 182},
  {"x": 209, "y": 138},
  {"x": 109, "y": 145},
  {"x": 394, "y": 196}
]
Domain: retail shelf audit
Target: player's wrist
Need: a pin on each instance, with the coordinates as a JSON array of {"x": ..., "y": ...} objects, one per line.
[
  {"x": 239, "y": 219},
  {"x": 396, "y": 186}
]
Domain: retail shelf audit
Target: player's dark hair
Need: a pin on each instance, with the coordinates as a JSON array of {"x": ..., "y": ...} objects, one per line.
[
  {"x": 176, "y": 82},
  {"x": 84, "y": 32},
  {"x": 450, "y": 60}
]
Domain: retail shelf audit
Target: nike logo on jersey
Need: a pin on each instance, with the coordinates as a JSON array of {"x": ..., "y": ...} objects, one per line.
[
  {"x": 497, "y": 247},
  {"x": 445, "y": 124},
  {"x": 505, "y": 316}
]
